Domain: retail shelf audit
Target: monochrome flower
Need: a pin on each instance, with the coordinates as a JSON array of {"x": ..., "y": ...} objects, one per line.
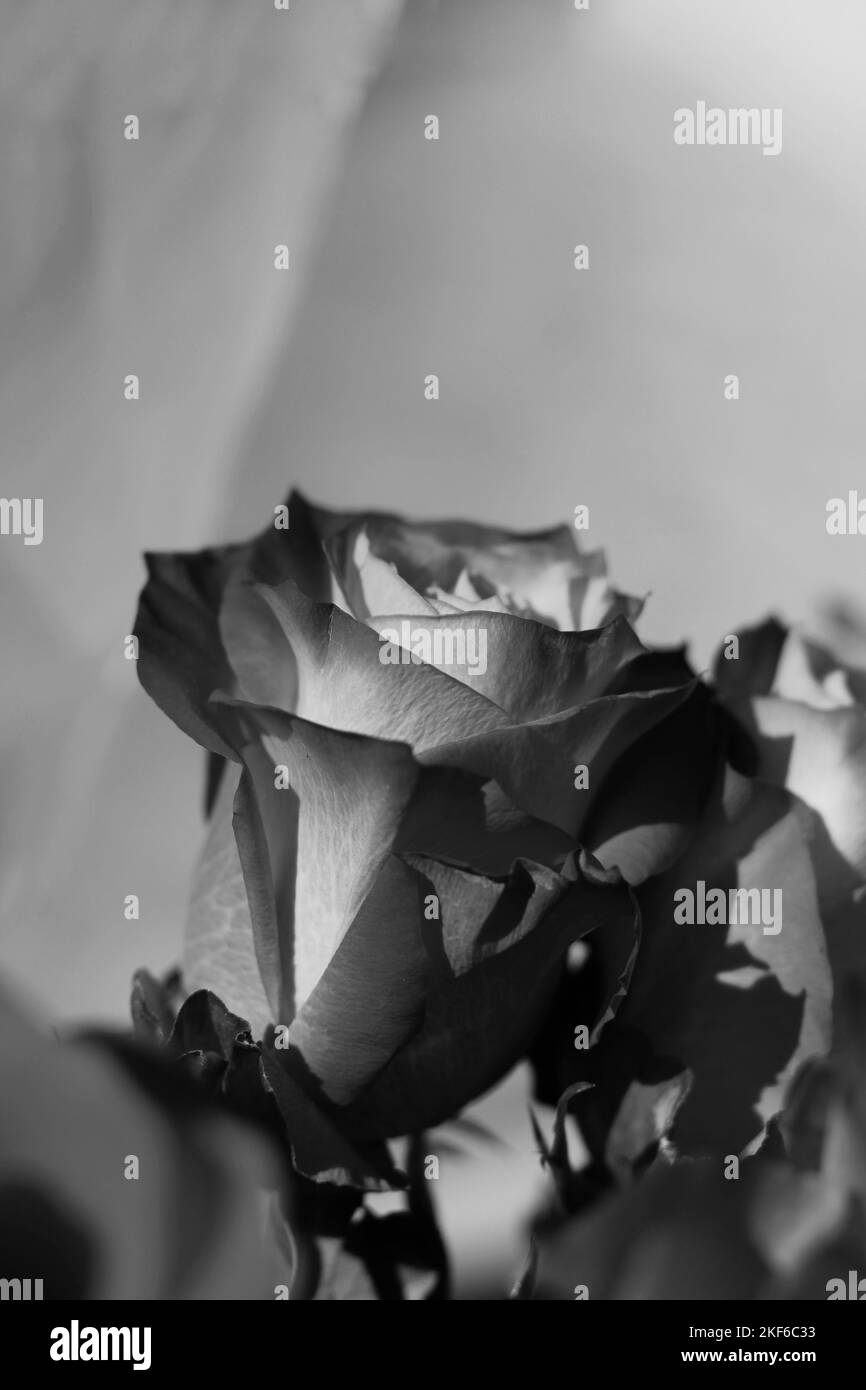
[{"x": 401, "y": 853}]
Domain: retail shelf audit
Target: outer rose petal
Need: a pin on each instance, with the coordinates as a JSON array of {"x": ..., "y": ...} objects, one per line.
[
  {"x": 219, "y": 946},
  {"x": 820, "y": 756},
  {"x": 534, "y": 762},
  {"x": 529, "y": 670},
  {"x": 754, "y": 669},
  {"x": 497, "y": 954},
  {"x": 199, "y": 631},
  {"x": 651, "y": 804},
  {"x": 342, "y": 682},
  {"x": 370, "y": 997},
  {"x": 773, "y": 660},
  {"x": 311, "y": 851},
  {"x": 435, "y": 811},
  {"x": 181, "y": 657}
]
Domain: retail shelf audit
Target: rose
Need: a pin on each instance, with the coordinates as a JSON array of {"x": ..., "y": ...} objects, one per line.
[
  {"x": 738, "y": 1007},
  {"x": 118, "y": 1181},
  {"x": 791, "y": 1224},
  {"x": 805, "y": 713},
  {"x": 396, "y": 866}
]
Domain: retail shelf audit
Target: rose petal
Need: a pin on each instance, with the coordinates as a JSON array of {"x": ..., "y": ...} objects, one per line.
[
  {"x": 370, "y": 584},
  {"x": 534, "y": 763},
  {"x": 219, "y": 948},
  {"x": 773, "y": 660},
  {"x": 200, "y": 628},
  {"x": 753, "y": 670},
  {"x": 650, "y": 804},
  {"x": 371, "y": 996},
  {"x": 315, "y": 858},
  {"x": 820, "y": 756},
  {"x": 529, "y": 670},
  {"x": 497, "y": 955},
  {"x": 181, "y": 657},
  {"x": 343, "y": 683},
  {"x": 320, "y": 1150},
  {"x": 741, "y": 1032},
  {"x": 450, "y": 814},
  {"x": 540, "y": 574}
]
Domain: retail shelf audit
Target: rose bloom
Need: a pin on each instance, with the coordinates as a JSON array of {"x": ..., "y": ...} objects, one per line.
[
  {"x": 804, "y": 708},
  {"x": 401, "y": 851},
  {"x": 737, "y": 1006},
  {"x": 789, "y": 1224}
]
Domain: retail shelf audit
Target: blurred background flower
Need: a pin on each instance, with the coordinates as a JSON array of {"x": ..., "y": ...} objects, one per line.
[
  {"x": 788, "y": 1223},
  {"x": 119, "y": 1181}
]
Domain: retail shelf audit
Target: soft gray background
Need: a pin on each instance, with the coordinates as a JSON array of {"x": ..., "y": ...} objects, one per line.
[{"x": 409, "y": 257}]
